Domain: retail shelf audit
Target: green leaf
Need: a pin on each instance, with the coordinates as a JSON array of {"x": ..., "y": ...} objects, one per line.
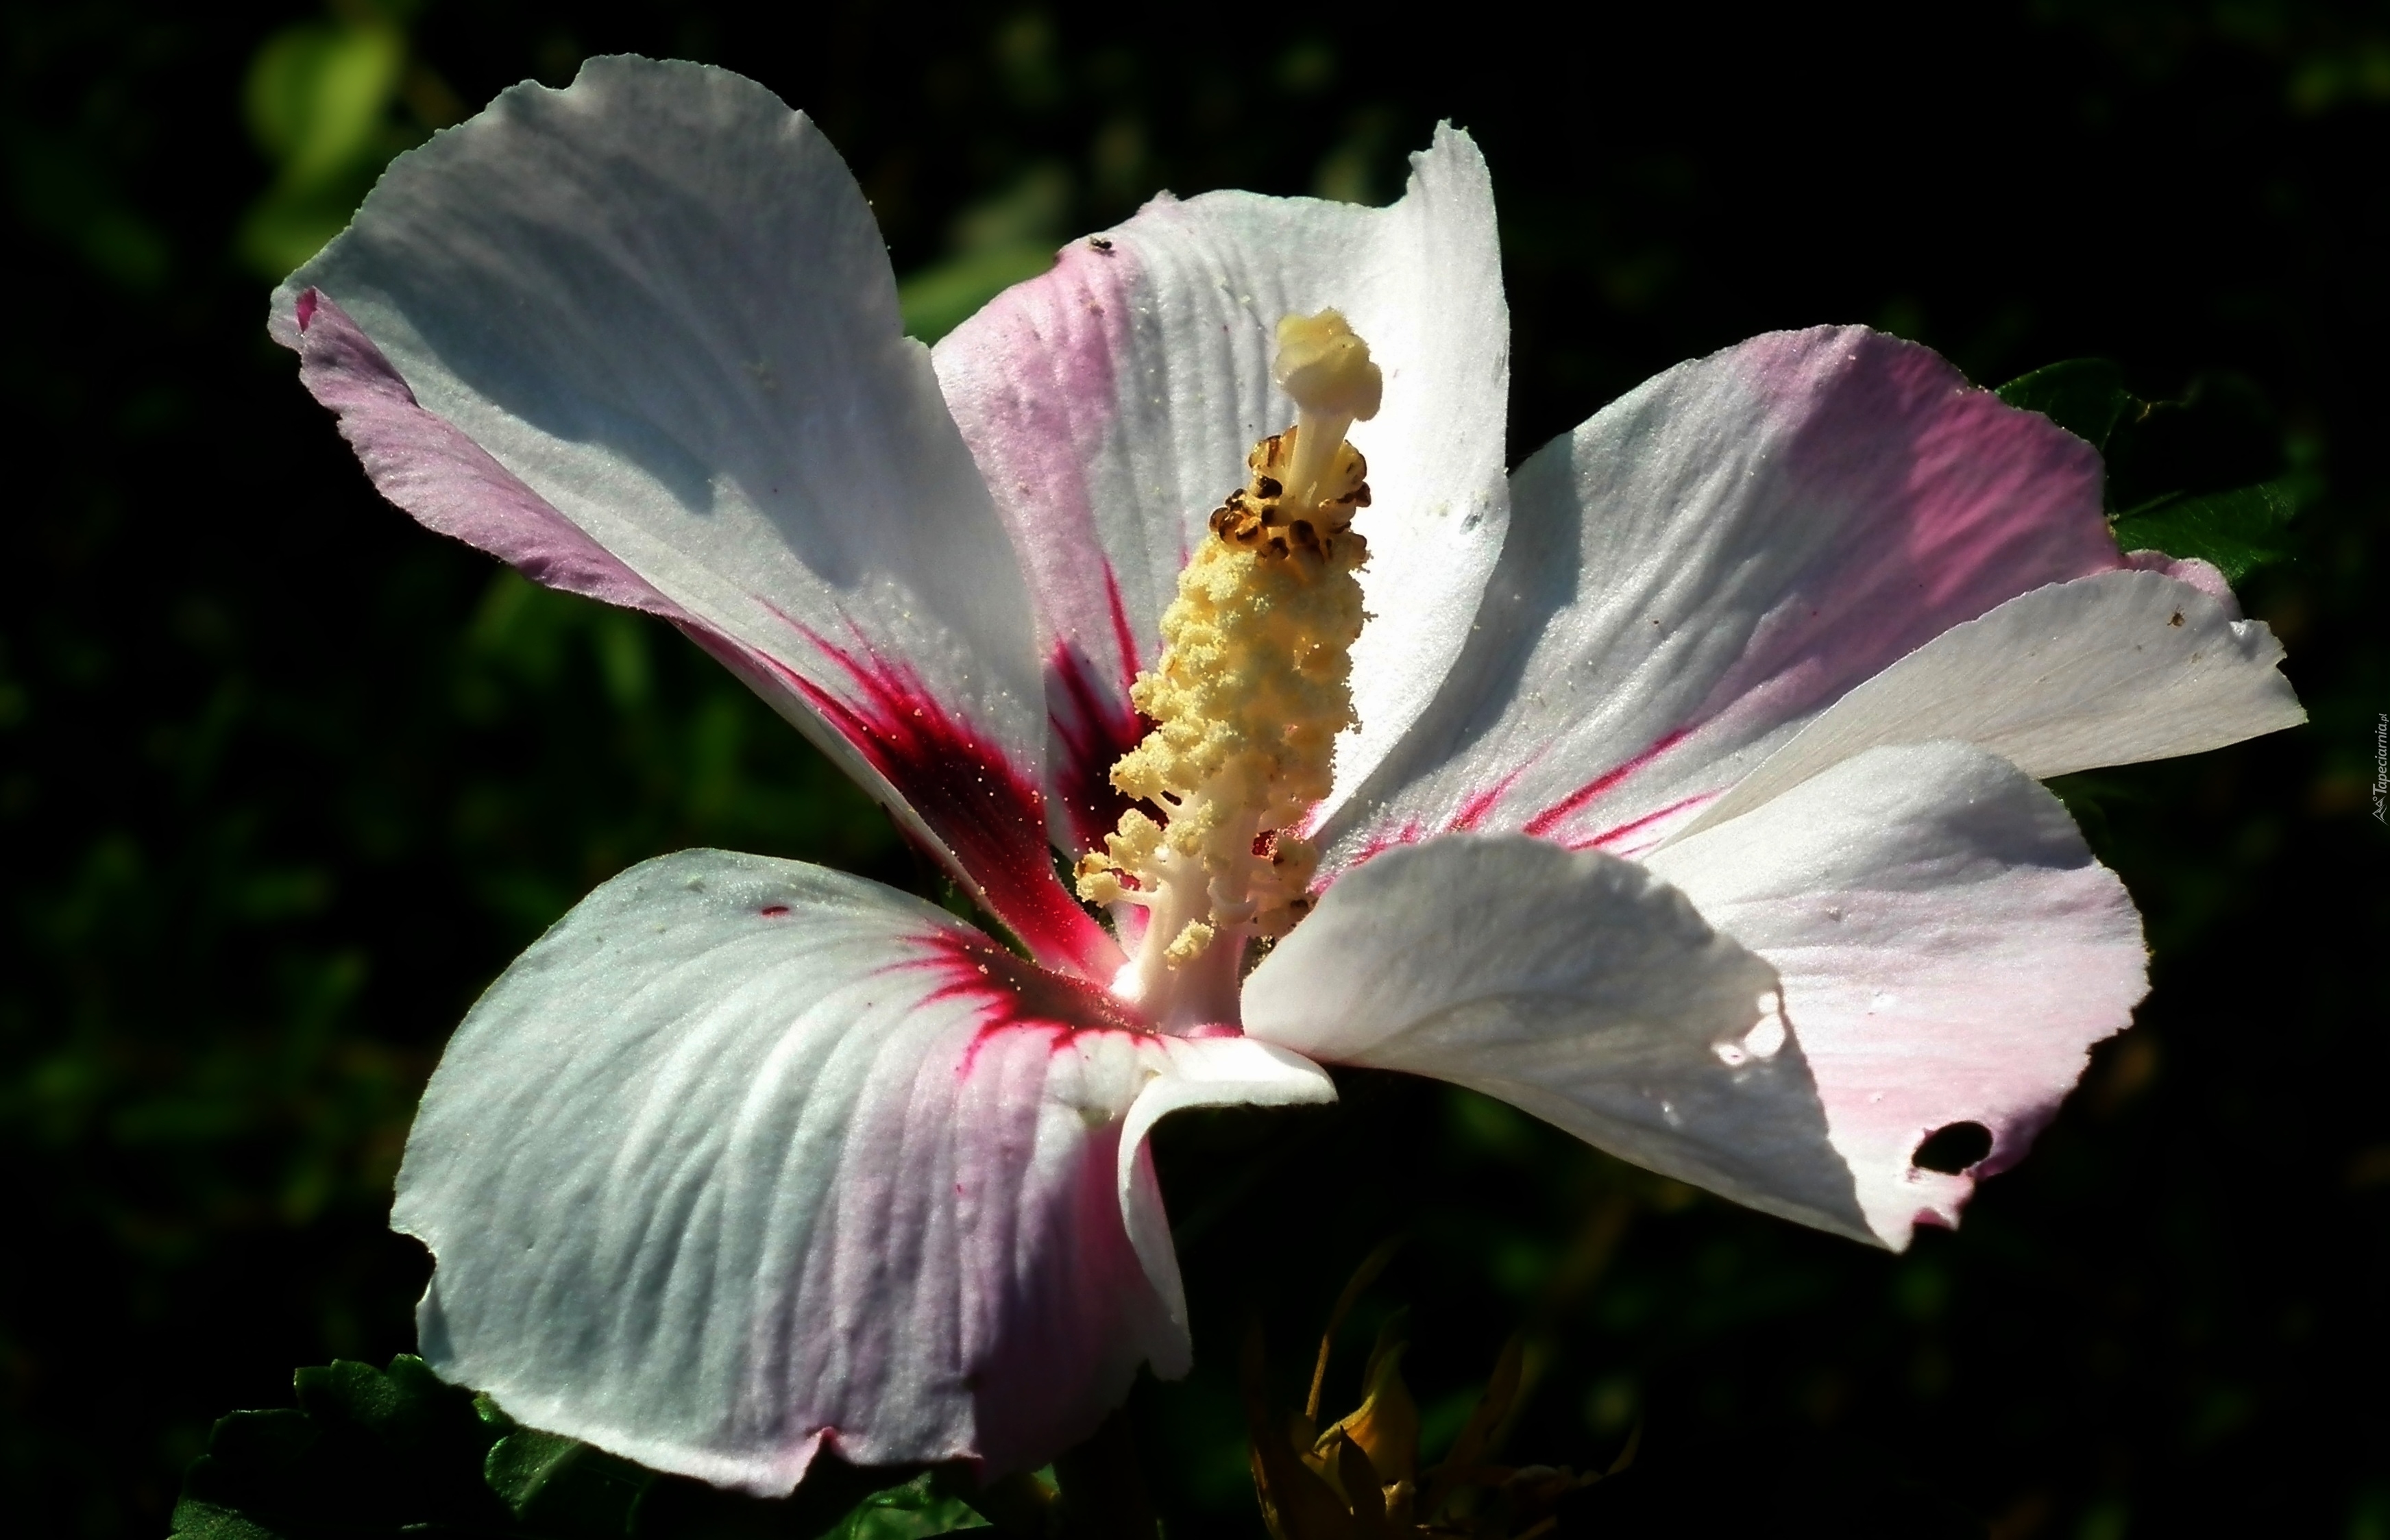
[
  {"x": 674, "y": 1508},
  {"x": 564, "y": 1487},
  {"x": 2220, "y": 436},
  {"x": 345, "y": 1390},
  {"x": 194, "y": 1520},
  {"x": 2202, "y": 477},
  {"x": 2238, "y": 530},
  {"x": 2086, "y": 397},
  {"x": 366, "y": 1453},
  {"x": 912, "y": 1511}
]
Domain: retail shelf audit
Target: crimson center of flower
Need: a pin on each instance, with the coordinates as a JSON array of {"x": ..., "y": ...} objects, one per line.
[{"x": 1254, "y": 684}]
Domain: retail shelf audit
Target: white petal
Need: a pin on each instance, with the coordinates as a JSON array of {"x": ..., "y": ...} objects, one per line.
[
  {"x": 1949, "y": 952},
  {"x": 1711, "y": 561},
  {"x": 745, "y": 1159},
  {"x": 1111, "y": 403},
  {"x": 653, "y": 319},
  {"x": 1574, "y": 985},
  {"x": 1204, "y": 1071},
  {"x": 2107, "y": 670}
]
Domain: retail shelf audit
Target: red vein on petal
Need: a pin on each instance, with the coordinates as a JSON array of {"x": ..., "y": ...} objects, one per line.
[
  {"x": 1464, "y": 820},
  {"x": 1473, "y": 809},
  {"x": 1123, "y": 635},
  {"x": 1542, "y": 824},
  {"x": 1015, "y": 995},
  {"x": 1610, "y": 838},
  {"x": 990, "y": 817}
]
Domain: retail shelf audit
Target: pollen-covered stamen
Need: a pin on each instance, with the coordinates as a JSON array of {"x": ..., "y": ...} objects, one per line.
[{"x": 1251, "y": 689}]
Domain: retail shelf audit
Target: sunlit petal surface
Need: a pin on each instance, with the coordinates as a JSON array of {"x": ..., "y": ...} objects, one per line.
[
  {"x": 1574, "y": 985},
  {"x": 1948, "y": 948},
  {"x": 1111, "y": 403},
  {"x": 745, "y": 1159},
  {"x": 2112, "y": 669},
  {"x": 1712, "y": 560},
  {"x": 658, "y": 307}
]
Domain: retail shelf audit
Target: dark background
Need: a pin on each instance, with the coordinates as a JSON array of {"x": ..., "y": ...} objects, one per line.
[{"x": 285, "y": 780}]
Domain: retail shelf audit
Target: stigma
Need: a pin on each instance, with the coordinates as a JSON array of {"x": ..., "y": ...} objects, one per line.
[{"x": 1251, "y": 689}]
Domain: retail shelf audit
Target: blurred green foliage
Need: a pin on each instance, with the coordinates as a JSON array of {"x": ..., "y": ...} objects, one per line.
[
  {"x": 323, "y": 99},
  {"x": 369, "y": 1452},
  {"x": 283, "y": 781}
]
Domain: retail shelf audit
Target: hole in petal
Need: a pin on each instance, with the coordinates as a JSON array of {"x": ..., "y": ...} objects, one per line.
[
  {"x": 1952, "y": 1147},
  {"x": 1769, "y": 1036},
  {"x": 1761, "y": 1041}
]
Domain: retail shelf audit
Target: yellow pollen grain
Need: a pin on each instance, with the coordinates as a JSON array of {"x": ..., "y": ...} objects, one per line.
[{"x": 1193, "y": 938}]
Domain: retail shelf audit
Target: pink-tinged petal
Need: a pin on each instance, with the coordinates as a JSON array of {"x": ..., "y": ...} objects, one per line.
[
  {"x": 2107, "y": 670},
  {"x": 746, "y": 1159},
  {"x": 1111, "y": 402},
  {"x": 2203, "y": 575},
  {"x": 1576, "y": 986},
  {"x": 427, "y": 466},
  {"x": 1949, "y": 952},
  {"x": 1714, "y": 559},
  {"x": 639, "y": 338}
]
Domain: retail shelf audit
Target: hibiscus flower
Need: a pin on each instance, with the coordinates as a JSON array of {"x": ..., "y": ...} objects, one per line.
[{"x": 1681, "y": 787}]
